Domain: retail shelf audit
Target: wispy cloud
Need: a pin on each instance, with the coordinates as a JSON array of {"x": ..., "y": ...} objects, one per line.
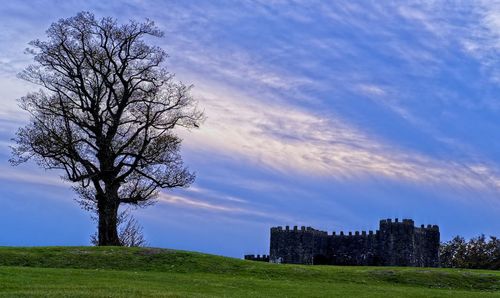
[
  {"x": 372, "y": 90},
  {"x": 230, "y": 210},
  {"x": 28, "y": 177},
  {"x": 189, "y": 202},
  {"x": 286, "y": 138},
  {"x": 215, "y": 194}
]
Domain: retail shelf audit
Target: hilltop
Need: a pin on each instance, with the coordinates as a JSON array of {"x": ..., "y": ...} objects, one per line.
[{"x": 119, "y": 272}]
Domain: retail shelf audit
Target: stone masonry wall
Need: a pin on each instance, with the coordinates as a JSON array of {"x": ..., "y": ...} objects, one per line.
[
  {"x": 296, "y": 246},
  {"x": 358, "y": 248}
]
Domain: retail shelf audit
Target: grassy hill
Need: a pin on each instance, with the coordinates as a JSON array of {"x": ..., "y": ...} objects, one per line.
[{"x": 143, "y": 272}]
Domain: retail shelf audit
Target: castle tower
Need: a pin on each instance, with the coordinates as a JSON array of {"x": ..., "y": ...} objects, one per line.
[
  {"x": 397, "y": 242},
  {"x": 297, "y": 246},
  {"x": 428, "y": 239}
]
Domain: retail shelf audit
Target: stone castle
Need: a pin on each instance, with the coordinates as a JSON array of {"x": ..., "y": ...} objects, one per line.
[{"x": 395, "y": 243}]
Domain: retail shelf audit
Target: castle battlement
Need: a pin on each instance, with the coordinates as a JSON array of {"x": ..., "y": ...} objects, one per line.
[
  {"x": 295, "y": 229},
  {"x": 395, "y": 243},
  {"x": 406, "y": 222},
  {"x": 356, "y": 234},
  {"x": 429, "y": 228}
]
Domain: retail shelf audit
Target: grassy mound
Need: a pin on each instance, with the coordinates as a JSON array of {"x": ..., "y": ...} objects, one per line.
[{"x": 117, "y": 272}]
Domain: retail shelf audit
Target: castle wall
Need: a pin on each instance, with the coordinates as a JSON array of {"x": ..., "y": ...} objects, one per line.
[
  {"x": 394, "y": 244},
  {"x": 358, "y": 248},
  {"x": 297, "y": 246}
]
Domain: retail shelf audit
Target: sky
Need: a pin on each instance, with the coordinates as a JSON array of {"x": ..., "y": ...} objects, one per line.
[{"x": 330, "y": 114}]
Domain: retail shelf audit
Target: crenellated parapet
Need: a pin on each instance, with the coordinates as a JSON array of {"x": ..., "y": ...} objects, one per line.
[
  {"x": 433, "y": 228},
  {"x": 296, "y": 229},
  {"x": 405, "y": 221},
  {"x": 355, "y": 234}
]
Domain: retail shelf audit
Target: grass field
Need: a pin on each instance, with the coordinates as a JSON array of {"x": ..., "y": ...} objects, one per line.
[{"x": 125, "y": 272}]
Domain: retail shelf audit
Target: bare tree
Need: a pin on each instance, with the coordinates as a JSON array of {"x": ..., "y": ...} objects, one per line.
[
  {"x": 105, "y": 115},
  {"x": 129, "y": 231}
]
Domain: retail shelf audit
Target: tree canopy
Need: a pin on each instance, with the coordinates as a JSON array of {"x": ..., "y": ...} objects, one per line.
[{"x": 477, "y": 253}]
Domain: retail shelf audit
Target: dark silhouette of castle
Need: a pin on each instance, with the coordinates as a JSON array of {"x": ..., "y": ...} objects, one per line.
[{"x": 394, "y": 244}]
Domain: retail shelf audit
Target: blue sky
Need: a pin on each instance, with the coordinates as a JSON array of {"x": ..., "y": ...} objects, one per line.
[{"x": 321, "y": 113}]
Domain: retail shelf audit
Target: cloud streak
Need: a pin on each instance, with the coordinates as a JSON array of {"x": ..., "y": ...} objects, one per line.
[
  {"x": 204, "y": 204},
  {"x": 286, "y": 138}
]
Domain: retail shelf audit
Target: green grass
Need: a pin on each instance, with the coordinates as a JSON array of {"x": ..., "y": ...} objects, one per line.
[{"x": 125, "y": 272}]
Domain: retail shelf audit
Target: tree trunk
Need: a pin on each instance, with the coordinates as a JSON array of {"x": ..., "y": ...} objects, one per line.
[{"x": 108, "y": 221}]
